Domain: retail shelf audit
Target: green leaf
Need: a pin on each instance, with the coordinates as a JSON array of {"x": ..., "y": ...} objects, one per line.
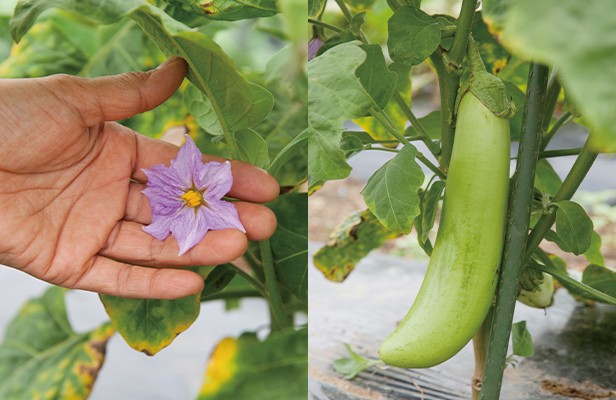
[
  {"x": 522, "y": 340},
  {"x": 391, "y": 192},
  {"x": 290, "y": 243},
  {"x": 217, "y": 280},
  {"x": 430, "y": 122},
  {"x": 429, "y": 207},
  {"x": 413, "y": 35},
  {"x": 229, "y": 10},
  {"x": 518, "y": 98},
  {"x": 494, "y": 56},
  {"x": 44, "y": 51},
  {"x": 335, "y": 94},
  {"x": 375, "y": 77},
  {"x": 493, "y": 13},
  {"x": 600, "y": 278},
  {"x": 41, "y": 355},
  {"x": 151, "y": 325},
  {"x": 546, "y": 179},
  {"x": 238, "y": 103},
  {"x": 573, "y": 226},
  {"x": 578, "y": 38},
  {"x": 593, "y": 254},
  {"x": 351, "y": 366},
  {"x": 246, "y": 368},
  {"x": 315, "y": 7},
  {"x": 577, "y": 288},
  {"x": 355, "y": 237},
  {"x": 5, "y": 39},
  {"x": 252, "y": 148},
  {"x": 297, "y": 145}
]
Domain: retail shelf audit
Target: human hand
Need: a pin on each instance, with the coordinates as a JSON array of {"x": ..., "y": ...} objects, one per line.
[{"x": 69, "y": 212}]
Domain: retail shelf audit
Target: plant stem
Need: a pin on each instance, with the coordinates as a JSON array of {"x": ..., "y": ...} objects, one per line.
[
  {"x": 560, "y": 153},
  {"x": 431, "y": 166},
  {"x": 235, "y": 294},
  {"x": 345, "y": 10},
  {"x": 480, "y": 346},
  {"x": 448, "y": 31},
  {"x": 565, "y": 118},
  {"x": 463, "y": 30},
  {"x": 271, "y": 283},
  {"x": 551, "y": 100},
  {"x": 326, "y": 25},
  {"x": 381, "y": 149},
  {"x": 571, "y": 183},
  {"x": 423, "y": 134},
  {"x": 516, "y": 233}
]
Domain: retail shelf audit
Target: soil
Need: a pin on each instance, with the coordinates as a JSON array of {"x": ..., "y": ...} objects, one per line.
[{"x": 584, "y": 390}]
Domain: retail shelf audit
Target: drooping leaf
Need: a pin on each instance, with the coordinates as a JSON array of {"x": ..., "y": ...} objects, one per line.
[
  {"x": 228, "y": 10},
  {"x": 391, "y": 192},
  {"x": 546, "y": 179},
  {"x": 429, "y": 207},
  {"x": 593, "y": 254},
  {"x": 246, "y": 368},
  {"x": 149, "y": 325},
  {"x": 493, "y": 13},
  {"x": 413, "y": 35},
  {"x": 351, "y": 366},
  {"x": 217, "y": 280},
  {"x": 42, "y": 357},
  {"x": 600, "y": 278},
  {"x": 522, "y": 340},
  {"x": 290, "y": 243},
  {"x": 573, "y": 226},
  {"x": 334, "y": 95},
  {"x": 238, "y": 103},
  {"x": 252, "y": 148},
  {"x": 579, "y": 38},
  {"x": 576, "y": 288},
  {"x": 430, "y": 122},
  {"x": 375, "y": 77},
  {"x": 355, "y": 237}
]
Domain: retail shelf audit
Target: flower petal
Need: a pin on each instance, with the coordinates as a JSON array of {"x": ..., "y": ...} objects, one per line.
[
  {"x": 221, "y": 214},
  {"x": 164, "y": 177},
  {"x": 215, "y": 179},
  {"x": 189, "y": 227},
  {"x": 160, "y": 227},
  {"x": 189, "y": 159}
]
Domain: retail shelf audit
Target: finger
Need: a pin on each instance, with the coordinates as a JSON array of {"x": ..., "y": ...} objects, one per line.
[
  {"x": 116, "y": 97},
  {"x": 259, "y": 221},
  {"x": 249, "y": 182},
  {"x": 118, "y": 279},
  {"x": 130, "y": 243}
]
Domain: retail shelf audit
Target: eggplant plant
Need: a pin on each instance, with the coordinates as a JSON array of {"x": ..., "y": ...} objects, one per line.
[
  {"x": 244, "y": 98},
  {"x": 507, "y": 72}
]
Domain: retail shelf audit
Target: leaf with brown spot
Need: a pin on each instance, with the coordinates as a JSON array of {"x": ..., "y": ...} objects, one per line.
[
  {"x": 42, "y": 354},
  {"x": 148, "y": 325}
]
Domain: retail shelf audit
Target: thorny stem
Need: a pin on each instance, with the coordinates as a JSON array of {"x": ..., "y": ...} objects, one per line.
[
  {"x": 516, "y": 233},
  {"x": 271, "y": 283}
]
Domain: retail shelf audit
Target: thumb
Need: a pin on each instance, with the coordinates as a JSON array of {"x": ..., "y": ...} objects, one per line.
[{"x": 111, "y": 98}]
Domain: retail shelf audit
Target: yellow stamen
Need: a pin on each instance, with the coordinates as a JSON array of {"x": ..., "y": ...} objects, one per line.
[{"x": 192, "y": 198}]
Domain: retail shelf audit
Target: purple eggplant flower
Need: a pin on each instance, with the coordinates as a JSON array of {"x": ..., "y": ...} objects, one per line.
[
  {"x": 313, "y": 47},
  {"x": 186, "y": 198}
]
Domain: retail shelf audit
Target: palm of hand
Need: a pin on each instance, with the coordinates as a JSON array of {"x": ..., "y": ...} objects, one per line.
[{"x": 71, "y": 208}]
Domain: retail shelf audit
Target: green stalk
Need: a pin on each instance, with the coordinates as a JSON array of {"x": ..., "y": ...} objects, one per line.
[
  {"x": 480, "y": 342},
  {"x": 565, "y": 118},
  {"x": 423, "y": 134},
  {"x": 516, "y": 233},
  {"x": 280, "y": 318},
  {"x": 463, "y": 30},
  {"x": 345, "y": 10},
  {"x": 571, "y": 183},
  {"x": 560, "y": 153},
  {"x": 325, "y": 25}
]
